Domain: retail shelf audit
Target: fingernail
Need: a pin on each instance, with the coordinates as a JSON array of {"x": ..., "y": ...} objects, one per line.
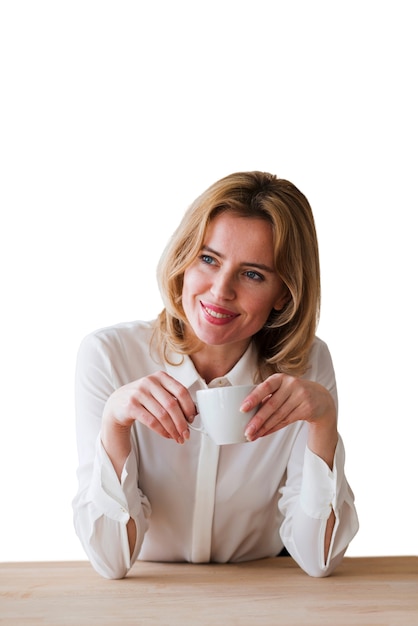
[
  {"x": 245, "y": 406},
  {"x": 249, "y": 433},
  {"x": 186, "y": 434}
]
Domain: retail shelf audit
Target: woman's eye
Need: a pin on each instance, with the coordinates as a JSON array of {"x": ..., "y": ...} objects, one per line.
[
  {"x": 206, "y": 258},
  {"x": 254, "y": 275}
]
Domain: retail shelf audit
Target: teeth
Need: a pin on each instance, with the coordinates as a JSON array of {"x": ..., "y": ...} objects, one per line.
[{"x": 215, "y": 314}]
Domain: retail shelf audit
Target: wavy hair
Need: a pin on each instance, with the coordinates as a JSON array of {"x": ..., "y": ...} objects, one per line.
[{"x": 283, "y": 344}]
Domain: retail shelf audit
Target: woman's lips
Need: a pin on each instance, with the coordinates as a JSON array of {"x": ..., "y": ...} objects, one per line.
[{"x": 217, "y": 314}]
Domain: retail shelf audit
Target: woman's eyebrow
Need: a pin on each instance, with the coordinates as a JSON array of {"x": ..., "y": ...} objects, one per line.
[{"x": 260, "y": 266}]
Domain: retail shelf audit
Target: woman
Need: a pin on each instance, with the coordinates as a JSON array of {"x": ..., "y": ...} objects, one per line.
[{"x": 241, "y": 288}]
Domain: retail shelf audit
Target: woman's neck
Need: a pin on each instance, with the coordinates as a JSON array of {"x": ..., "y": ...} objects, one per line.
[{"x": 216, "y": 361}]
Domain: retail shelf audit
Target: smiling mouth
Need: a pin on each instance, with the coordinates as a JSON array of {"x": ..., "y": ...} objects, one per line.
[
  {"x": 219, "y": 316},
  {"x": 217, "y": 313}
]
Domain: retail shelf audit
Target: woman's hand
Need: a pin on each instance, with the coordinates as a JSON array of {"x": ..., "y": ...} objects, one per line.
[
  {"x": 158, "y": 401},
  {"x": 284, "y": 400}
]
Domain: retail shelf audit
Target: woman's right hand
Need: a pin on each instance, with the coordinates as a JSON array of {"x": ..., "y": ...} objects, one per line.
[{"x": 158, "y": 401}]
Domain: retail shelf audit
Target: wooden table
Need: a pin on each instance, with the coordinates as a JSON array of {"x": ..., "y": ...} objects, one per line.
[{"x": 363, "y": 591}]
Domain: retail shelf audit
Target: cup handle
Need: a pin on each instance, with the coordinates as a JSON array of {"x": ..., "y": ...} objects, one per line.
[{"x": 198, "y": 429}]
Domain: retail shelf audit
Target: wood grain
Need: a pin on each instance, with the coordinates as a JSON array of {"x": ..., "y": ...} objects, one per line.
[{"x": 363, "y": 591}]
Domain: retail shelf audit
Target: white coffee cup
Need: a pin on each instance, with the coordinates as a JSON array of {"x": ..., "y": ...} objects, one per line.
[{"x": 219, "y": 411}]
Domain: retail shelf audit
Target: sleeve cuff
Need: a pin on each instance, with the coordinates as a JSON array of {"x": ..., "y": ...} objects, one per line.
[
  {"x": 319, "y": 486},
  {"x": 115, "y": 499}
]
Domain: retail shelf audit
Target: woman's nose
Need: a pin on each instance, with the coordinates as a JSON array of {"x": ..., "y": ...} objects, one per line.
[{"x": 223, "y": 286}]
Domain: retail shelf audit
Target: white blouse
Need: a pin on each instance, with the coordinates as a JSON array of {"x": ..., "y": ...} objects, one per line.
[{"x": 199, "y": 502}]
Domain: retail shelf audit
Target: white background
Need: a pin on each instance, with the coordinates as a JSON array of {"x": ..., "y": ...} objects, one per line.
[{"x": 114, "y": 117}]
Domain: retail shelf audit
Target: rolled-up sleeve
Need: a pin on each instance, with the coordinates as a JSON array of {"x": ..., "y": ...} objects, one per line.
[
  {"x": 306, "y": 512},
  {"x": 312, "y": 490},
  {"x": 103, "y": 505}
]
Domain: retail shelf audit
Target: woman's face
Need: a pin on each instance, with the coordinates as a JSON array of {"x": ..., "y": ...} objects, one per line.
[{"x": 231, "y": 287}]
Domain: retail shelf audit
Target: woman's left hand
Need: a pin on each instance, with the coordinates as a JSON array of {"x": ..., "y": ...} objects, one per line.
[{"x": 283, "y": 400}]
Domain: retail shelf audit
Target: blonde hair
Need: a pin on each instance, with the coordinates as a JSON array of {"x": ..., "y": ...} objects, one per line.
[{"x": 283, "y": 344}]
